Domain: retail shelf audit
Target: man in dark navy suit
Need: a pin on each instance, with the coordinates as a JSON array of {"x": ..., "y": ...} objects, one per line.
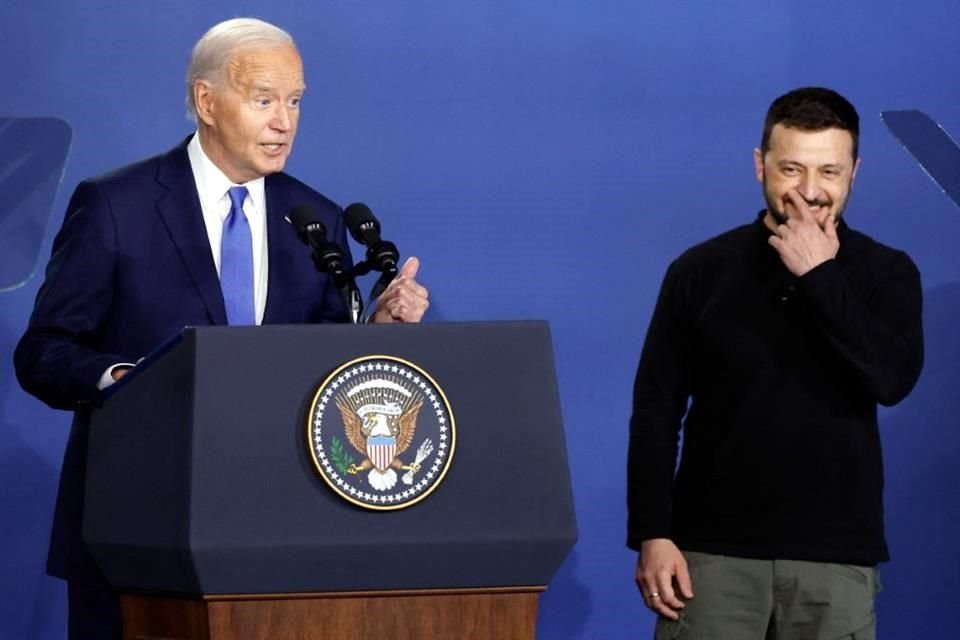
[{"x": 195, "y": 236}]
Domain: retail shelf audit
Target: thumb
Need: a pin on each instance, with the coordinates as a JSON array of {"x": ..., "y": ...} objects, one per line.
[{"x": 410, "y": 267}]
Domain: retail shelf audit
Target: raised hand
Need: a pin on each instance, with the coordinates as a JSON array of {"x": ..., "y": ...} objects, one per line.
[
  {"x": 803, "y": 242},
  {"x": 405, "y": 299}
]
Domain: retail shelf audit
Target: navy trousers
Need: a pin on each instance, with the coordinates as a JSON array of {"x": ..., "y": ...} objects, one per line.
[{"x": 93, "y": 613}]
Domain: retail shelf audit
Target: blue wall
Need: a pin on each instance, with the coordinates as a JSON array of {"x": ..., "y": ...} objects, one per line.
[{"x": 546, "y": 160}]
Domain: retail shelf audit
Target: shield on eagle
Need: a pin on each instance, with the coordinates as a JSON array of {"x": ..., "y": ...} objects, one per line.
[{"x": 381, "y": 450}]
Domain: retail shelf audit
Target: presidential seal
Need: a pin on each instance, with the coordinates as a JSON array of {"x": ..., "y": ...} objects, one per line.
[{"x": 381, "y": 432}]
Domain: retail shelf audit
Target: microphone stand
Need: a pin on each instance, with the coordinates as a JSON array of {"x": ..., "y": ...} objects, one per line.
[
  {"x": 326, "y": 260},
  {"x": 351, "y": 298},
  {"x": 385, "y": 279},
  {"x": 364, "y": 267}
]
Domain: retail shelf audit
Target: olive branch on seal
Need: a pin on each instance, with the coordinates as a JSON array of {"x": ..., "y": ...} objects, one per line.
[{"x": 341, "y": 459}]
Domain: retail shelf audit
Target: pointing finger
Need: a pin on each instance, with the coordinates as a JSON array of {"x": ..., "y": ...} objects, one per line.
[{"x": 800, "y": 204}]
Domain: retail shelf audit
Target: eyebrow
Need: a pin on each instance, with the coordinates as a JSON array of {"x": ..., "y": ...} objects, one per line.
[
  {"x": 829, "y": 165},
  {"x": 262, "y": 88}
]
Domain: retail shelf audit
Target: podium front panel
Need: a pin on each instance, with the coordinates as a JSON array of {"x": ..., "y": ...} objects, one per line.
[{"x": 261, "y": 519}]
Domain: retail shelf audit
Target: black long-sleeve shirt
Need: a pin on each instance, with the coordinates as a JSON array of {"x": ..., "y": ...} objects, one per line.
[{"x": 779, "y": 378}]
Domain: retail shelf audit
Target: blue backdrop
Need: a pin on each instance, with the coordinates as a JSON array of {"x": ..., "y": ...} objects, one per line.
[{"x": 545, "y": 160}]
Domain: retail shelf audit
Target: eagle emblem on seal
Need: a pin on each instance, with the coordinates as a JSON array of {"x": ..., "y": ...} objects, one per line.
[{"x": 380, "y": 422}]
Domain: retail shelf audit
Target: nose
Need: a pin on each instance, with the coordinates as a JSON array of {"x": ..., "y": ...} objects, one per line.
[
  {"x": 809, "y": 186},
  {"x": 282, "y": 118}
]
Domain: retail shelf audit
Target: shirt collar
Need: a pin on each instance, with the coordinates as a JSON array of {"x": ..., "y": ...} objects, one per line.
[{"x": 212, "y": 184}]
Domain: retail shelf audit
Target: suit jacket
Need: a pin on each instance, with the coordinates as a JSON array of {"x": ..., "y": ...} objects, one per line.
[{"x": 131, "y": 267}]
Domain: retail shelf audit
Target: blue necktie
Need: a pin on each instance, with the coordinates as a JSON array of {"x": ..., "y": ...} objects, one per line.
[{"x": 236, "y": 262}]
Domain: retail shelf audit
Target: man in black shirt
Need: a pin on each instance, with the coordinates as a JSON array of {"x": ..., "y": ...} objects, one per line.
[{"x": 773, "y": 343}]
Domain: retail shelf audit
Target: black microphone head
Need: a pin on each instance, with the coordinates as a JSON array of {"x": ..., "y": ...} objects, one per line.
[
  {"x": 363, "y": 225},
  {"x": 327, "y": 256},
  {"x": 306, "y": 222}
]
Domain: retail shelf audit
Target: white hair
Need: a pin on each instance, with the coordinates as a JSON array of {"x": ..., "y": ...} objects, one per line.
[{"x": 211, "y": 53}]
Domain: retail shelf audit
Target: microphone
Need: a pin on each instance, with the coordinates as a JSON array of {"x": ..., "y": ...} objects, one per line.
[
  {"x": 365, "y": 229},
  {"x": 381, "y": 255},
  {"x": 327, "y": 256}
]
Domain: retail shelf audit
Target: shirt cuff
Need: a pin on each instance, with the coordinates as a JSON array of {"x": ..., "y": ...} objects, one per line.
[{"x": 107, "y": 378}]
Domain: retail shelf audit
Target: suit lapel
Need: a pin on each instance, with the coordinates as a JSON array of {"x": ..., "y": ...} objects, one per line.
[
  {"x": 180, "y": 210},
  {"x": 278, "y": 232}
]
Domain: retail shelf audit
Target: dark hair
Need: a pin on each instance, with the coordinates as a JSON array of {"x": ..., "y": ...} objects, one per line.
[{"x": 812, "y": 109}]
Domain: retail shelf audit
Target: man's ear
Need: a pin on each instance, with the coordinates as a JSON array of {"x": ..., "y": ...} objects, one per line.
[
  {"x": 204, "y": 99},
  {"x": 758, "y": 164}
]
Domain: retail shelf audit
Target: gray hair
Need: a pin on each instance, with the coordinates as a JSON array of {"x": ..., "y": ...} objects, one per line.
[{"x": 213, "y": 50}]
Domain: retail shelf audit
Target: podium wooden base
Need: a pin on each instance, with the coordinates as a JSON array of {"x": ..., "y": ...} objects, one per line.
[{"x": 478, "y": 614}]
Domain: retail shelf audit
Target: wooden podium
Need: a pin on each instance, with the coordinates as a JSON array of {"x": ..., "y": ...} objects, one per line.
[
  {"x": 205, "y": 510},
  {"x": 504, "y": 614}
]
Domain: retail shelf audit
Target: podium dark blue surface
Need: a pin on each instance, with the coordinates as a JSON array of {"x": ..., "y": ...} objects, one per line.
[{"x": 200, "y": 480}]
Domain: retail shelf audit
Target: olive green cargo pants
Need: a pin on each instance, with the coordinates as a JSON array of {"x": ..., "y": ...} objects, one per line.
[{"x": 742, "y": 599}]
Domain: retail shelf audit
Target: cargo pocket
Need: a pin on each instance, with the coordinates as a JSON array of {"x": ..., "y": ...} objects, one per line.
[{"x": 852, "y": 597}]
